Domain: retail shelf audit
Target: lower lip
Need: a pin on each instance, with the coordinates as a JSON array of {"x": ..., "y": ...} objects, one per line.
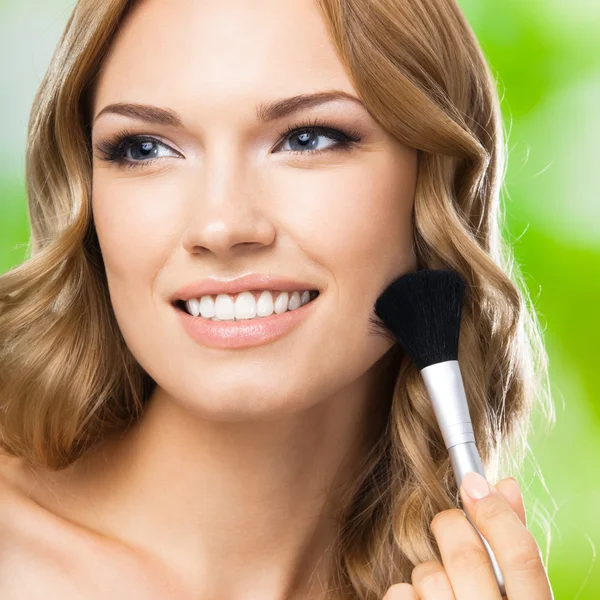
[{"x": 247, "y": 332}]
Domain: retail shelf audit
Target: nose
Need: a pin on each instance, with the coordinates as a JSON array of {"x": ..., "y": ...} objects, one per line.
[{"x": 227, "y": 216}]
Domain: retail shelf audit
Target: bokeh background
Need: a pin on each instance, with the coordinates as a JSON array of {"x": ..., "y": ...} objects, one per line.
[{"x": 545, "y": 55}]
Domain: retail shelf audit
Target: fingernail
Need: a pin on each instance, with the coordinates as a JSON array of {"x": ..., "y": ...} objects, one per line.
[{"x": 475, "y": 485}]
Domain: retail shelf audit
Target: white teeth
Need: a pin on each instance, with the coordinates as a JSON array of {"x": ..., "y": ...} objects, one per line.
[
  {"x": 294, "y": 302},
  {"x": 224, "y": 308},
  {"x": 207, "y": 307},
  {"x": 245, "y": 306},
  {"x": 194, "y": 307},
  {"x": 281, "y": 303},
  {"x": 264, "y": 305}
]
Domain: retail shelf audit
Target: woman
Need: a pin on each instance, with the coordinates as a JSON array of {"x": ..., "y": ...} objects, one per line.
[{"x": 194, "y": 162}]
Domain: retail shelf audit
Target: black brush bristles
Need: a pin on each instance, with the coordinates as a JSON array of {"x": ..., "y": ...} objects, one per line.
[{"x": 423, "y": 309}]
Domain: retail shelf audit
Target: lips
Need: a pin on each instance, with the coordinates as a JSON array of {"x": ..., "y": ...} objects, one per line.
[{"x": 246, "y": 332}]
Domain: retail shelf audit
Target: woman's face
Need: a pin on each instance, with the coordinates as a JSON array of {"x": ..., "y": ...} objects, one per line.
[{"x": 224, "y": 194}]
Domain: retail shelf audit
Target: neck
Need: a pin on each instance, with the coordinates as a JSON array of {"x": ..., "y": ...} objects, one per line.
[{"x": 235, "y": 509}]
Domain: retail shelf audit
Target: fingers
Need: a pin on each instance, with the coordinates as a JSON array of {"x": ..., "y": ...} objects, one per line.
[
  {"x": 465, "y": 558},
  {"x": 513, "y": 545},
  {"x": 431, "y": 581},
  {"x": 401, "y": 591},
  {"x": 466, "y": 571},
  {"x": 511, "y": 490}
]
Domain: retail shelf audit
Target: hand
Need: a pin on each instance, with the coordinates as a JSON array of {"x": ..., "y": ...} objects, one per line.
[{"x": 467, "y": 572}]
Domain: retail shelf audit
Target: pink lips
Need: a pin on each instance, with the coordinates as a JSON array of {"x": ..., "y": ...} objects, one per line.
[{"x": 247, "y": 332}]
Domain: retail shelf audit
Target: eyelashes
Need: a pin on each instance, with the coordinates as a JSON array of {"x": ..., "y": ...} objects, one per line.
[{"x": 115, "y": 149}]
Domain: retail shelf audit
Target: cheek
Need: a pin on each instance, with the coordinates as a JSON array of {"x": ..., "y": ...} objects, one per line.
[
  {"x": 356, "y": 223},
  {"x": 136, "y": 224},
  {"x": 356, "y": 219}
]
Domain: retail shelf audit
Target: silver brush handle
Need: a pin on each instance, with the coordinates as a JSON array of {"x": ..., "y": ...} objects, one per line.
[{"x": 447, "y": 393}]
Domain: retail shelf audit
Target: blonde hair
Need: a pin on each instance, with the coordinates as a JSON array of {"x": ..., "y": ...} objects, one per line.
[{"x": 67, "y": 377}]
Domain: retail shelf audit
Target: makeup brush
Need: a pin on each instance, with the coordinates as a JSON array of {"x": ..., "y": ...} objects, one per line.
[{"x": 423, "y": 310}]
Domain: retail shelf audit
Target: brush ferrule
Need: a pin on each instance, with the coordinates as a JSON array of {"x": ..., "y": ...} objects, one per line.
[{"x": 447, "y": 393}]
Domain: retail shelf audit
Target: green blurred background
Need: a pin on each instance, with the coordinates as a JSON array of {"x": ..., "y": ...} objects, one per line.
[{"x": 545, "y": 55}]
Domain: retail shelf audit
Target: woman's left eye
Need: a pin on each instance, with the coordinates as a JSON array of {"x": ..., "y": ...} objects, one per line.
[
  {"x": 305, "y": 140},
  {"x": 126, "y": 149}
]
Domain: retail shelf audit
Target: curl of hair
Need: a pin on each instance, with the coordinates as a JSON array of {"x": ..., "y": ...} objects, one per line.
[{"x": 67, "y": 377}]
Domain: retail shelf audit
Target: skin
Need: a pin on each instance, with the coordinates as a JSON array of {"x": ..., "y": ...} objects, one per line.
[
  {"x": 466, "y": 571},
  {"x": 221, "y": 490},
  {"x": 224, "y": 484}
]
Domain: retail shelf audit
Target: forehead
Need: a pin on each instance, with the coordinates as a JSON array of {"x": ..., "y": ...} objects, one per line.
[{"x": 189, "y": 53}]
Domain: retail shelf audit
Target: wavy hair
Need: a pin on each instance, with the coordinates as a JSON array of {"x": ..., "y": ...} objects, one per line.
[{"x": 67, "y": 378}]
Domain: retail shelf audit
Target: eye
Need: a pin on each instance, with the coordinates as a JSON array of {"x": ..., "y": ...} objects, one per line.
[
  {"x": 304, "y": 138},
  {"x": 143, "y": 148},
  {"x": 138, "y": 151},
  {"x": 133, "y": 151}
]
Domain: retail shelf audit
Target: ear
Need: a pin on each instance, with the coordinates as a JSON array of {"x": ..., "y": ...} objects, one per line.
[{"x": 511, "y": 490}]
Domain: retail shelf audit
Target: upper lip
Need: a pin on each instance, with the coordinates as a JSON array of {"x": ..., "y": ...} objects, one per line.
[{"x": 253, "y": 281}]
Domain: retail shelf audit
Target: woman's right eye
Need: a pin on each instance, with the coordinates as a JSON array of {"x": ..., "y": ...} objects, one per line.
[
  {"x": 125, "y": 150},
  {"x": 144, "y": 149}
]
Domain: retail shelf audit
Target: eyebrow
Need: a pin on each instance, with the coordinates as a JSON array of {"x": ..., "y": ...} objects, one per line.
[{"x": 264, "y": 112}]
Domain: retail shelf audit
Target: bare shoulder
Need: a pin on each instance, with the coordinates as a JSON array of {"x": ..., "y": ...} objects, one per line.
[
  {"x": 29, "y": 565},
  {"x": 43, "y": 556},
  {"x": 21, "y": 570},
  {"x": 15, "y": 518}
]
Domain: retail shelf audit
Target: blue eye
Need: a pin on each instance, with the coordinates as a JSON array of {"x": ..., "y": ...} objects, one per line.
[
  {"x": 135, "y": 151},
  {"x": 116, "y": 150},
  {"x": 308, "y": 134},
  {"x": 147, "y": 148}
]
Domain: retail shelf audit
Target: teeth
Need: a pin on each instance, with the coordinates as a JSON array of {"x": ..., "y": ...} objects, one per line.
[
  {"x": 281, "y": 304},
  {"x": 305, "y": 297},
  {"x": 245, "y": 306}
]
